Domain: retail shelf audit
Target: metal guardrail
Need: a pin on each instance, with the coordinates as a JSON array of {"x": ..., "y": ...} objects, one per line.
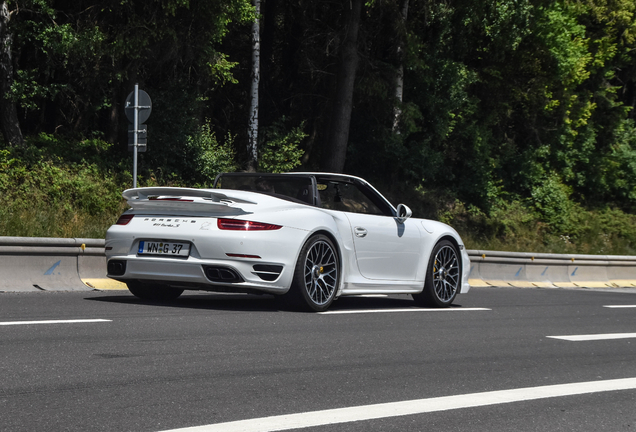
[
  {"x": 42, "y": 263},
  {"x": 523, "y": 269},
  {"x": 53, "y": 264},
  {"x": 525, "y": 257},
  {"x": 50, "y": 246}
]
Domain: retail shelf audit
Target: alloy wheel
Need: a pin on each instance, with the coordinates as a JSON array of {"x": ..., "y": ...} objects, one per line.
[
  {"x": 321, "y": 272},
  {"x": 446, "y": 273}
]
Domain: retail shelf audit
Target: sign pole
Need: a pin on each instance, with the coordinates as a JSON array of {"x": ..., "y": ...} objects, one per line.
[
  {"x": 138, "y": 107},
  {"x": 135, "y": 126}
]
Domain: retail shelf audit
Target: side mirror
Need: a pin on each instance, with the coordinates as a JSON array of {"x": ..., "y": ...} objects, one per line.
[{"x": 403, "y": 213}]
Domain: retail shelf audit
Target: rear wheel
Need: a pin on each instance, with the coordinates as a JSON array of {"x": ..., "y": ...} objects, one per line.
[
  {"x": 316, "y": 276},
  {"x": 153, "y": 292},
  {"x": 443, "y": 277}
]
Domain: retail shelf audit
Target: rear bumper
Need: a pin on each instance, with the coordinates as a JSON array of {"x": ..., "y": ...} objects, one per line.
[
  {"x": 263, "y": 260},
  {"x": 191, "y": 274}
]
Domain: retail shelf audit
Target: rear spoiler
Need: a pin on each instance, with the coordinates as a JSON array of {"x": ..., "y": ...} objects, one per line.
[
  {"x": 155, "y": 193},
  {"x": 155, "y": 199}
]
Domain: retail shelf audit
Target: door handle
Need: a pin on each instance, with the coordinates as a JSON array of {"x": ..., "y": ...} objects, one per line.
[{"x": 360, "y": 232}]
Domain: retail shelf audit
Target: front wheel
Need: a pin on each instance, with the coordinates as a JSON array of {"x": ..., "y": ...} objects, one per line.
[
  {"x": 153, "y": 292},
  {"x": 443, "y": 277},
  {"x": 316, "y": 276}
]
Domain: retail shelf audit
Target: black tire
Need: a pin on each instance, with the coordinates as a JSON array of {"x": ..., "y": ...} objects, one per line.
[
  {"x": 153, "y": 292},
  {"x": 443, "y": 277},
  {"x": 316, "y": 276}
]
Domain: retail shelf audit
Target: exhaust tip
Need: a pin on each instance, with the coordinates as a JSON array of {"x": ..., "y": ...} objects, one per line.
[
  {"x": 116, "y": 267},
  {"x": 222, "y": 274}
]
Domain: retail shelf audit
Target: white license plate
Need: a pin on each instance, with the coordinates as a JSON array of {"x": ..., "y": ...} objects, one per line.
[{"x": 164, "y": 248}]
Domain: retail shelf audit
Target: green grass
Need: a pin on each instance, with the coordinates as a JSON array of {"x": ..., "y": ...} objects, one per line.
[{"x": 56, "y": 222}]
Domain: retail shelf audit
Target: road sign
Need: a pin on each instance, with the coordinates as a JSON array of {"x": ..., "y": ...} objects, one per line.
[
  {"x": 137, "y": 109},
  {"x": 142, "y": 138},
  {"x": 144, "y": 105}
]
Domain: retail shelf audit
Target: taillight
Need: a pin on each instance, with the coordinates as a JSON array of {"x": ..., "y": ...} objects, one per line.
[
  {"x": 242, "y": 225},
  {"x": 124, "y": 219}
]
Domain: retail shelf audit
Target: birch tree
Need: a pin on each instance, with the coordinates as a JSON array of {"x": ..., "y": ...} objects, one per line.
[
  {"x": 252, "y": 149},
  {"x": 8, "y": 115},
  {"x": 399, "y": 78}
]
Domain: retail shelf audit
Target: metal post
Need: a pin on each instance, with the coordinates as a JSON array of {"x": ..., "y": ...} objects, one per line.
[{"x": 136, "y": 127}]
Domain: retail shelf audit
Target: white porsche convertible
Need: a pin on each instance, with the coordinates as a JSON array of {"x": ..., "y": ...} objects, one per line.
[{"x": 308, "y": 238}]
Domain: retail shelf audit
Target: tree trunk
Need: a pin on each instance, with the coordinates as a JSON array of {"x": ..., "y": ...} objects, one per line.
[
  {"x": 399, "y": 76},
  {"x": 336, "y": 147},
  {"x": 113, "y": 118},
  {"x": 8, "y": 113},
  {"x": 252, "y": 132}
]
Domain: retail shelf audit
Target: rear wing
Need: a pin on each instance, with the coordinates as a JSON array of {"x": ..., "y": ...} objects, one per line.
[{"x": 155, "y": 199}]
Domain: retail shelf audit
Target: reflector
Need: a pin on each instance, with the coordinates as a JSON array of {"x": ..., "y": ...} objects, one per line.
[{"x": 234, "y": 255}]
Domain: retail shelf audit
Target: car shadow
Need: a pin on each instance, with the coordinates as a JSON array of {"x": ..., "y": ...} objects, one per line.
[
  {"x": 207, "y": 301},
  {"x": 260, "y": 303}
]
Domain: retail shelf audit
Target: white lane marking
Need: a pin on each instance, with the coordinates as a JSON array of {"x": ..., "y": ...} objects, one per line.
[
  {"x": 8, "y": 323},
  {"x": 419, "y": 406},
  {"x": 592, "y": 337},
  {"x": 619, "y": 306},
  {"x": 358, "y": 311}
]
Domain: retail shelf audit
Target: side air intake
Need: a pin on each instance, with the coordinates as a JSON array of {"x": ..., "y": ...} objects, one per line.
[{"x": 268, "y": 272}]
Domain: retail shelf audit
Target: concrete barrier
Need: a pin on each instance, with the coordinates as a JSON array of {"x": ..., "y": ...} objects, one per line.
[
  {"x": 71, "y": 264},
  {"x": 53, "y": 264},
  {"x": 522, "y": 269}
]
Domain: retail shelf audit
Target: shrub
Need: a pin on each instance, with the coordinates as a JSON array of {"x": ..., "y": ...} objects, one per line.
[
  {"x": 279, "y": 152},
  {"x": 207, "y": 157}
]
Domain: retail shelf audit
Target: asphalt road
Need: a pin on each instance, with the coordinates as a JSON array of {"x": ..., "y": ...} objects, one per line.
[{"x": 207, "y": 359}]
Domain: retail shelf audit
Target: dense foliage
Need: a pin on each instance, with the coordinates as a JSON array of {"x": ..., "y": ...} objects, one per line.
[{"x": 517, "y": 123}]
